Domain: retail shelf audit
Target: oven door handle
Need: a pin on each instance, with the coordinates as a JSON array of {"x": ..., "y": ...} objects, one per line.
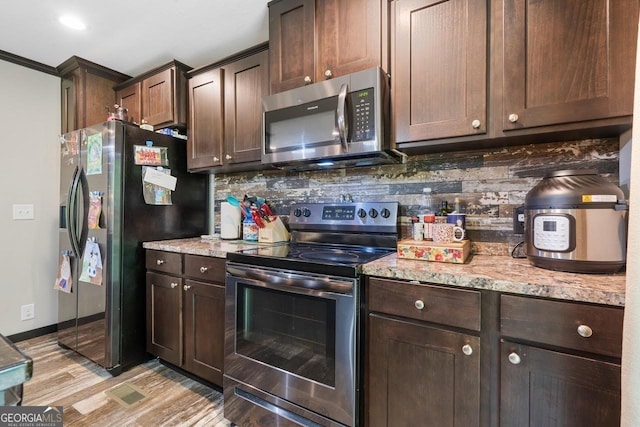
[{"x": 293, "y": 280}]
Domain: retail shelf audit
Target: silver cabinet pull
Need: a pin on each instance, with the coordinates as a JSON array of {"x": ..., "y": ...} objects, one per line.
[
  {"x": 328, "y": 74},
  {"x": 475, "y": 124},
  {"x": 228, "y": 157},
  {"x": 307, "y": 80},
  {"x": 513, "y": 117},
  {"x": 585, "y": 331},
  {"x": 514, "y": 358},
  {"x": 215, "y": 159},
  {"x": 203, "y": 269},
  {"x": 173, "y": 285},
  {"x": 159, "y": 261},
  {"x": 186, "y": 287},
  {"x": 467, "y": 350},
  {"x": 419, "y": 304}
]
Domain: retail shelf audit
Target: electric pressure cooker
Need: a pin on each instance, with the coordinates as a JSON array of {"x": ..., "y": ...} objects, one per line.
[{"x": 576, "y": 221}]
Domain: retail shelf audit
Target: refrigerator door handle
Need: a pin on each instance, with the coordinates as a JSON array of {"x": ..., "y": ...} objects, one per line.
[
  {"x": 84, "y": 231},
  {"x": 71, "y": 213}
]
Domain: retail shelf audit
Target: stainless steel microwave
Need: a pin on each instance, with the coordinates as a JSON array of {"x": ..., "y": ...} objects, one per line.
[{"x": 339, "y": 122}]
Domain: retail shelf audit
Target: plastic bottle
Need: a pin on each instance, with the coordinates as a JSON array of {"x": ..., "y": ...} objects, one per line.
[
  {"x": 426, "y": 205},
  {"x": 427, "y": 214}
]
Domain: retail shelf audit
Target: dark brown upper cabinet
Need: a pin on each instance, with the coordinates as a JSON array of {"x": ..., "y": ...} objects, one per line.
[
  {"x": 440, "y": 69},
  {"x": 569, "y": 61},
  {"x": 246, "y": 81},
  {"x": 86, "y": 93},
  {"x": 225, "y": 112},
  {"x": 159, "y": 96},
  {"x": 311, "y": 41},
  {"x": 510, "y": 71},
  {"x": 130, "y": 97},
  {"x": 206, "y": 110}
]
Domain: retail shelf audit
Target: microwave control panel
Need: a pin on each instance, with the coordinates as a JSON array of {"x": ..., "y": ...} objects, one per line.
[{"x": 363, "y": 125}]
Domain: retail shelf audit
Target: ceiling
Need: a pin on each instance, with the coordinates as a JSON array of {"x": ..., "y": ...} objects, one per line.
[{"x": 133, "y": 36}]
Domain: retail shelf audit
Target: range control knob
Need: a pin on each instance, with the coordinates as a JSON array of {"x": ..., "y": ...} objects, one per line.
[
  {"x": 297, "y": 212},
  {"x": 385, "y": 213},
  {"x": 362, "y": 213},
  {"x": 306, "y": 212},
  {"x": 373, "y": 213}
]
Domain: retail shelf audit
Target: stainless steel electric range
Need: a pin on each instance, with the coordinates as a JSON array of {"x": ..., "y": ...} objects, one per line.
[{"x": 292, "y": 327}]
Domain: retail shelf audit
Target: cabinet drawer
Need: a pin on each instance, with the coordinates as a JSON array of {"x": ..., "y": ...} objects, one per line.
[
  {"x": 454, "y": 307},
  {"x": 583, "y": 327},
  {"x": 209, "y": 269},
  {"x": 169, "y": 262}
]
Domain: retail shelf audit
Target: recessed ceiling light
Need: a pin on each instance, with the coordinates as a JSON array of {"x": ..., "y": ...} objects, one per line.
[{"x": 72, "y": 22}]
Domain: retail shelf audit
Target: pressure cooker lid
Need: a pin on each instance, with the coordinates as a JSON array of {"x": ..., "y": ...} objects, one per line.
[{"x": 571, "y": 189}]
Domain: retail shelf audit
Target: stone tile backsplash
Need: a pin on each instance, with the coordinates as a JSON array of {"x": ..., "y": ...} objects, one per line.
[{"x": 491, "y": 182}]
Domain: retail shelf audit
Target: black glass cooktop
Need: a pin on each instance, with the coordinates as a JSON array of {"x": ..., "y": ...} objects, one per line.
[{"x": 317, "y": 258}]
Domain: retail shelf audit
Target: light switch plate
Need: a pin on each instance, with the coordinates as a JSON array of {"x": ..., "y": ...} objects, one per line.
[{"x": 23, "y": 212}]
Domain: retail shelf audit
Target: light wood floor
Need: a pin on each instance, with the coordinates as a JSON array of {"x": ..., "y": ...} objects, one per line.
[{"x": 63, "y": 378}]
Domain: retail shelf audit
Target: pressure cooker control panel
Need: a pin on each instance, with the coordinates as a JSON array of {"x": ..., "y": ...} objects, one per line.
[{"x": 553, "y": 232}]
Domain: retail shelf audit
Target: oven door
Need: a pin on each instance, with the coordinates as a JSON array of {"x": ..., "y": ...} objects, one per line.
[{"x": 293, "y": 336}]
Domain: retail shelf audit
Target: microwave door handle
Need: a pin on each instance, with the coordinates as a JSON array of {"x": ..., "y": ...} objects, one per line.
[{"x": 341, "y": 117}]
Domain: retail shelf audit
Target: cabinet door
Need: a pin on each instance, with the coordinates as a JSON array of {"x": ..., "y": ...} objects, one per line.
[
  {"x": 246, "y": 82},
  {"x": 205, "y": 132},
  {"x": 349, "y": 36},
  {"x": 291, "y": 44},
  {"x": 545, "y": 388},
  {"x": 440, "y": 67},
  {"x": 204, "y": 330},
  {"x": 164, "y": 317},
  {"x": 158, "y": 98},
  {"x": 567, "y": 61},
  {"x": 420, "y": 376},
  {"x": 131, "y": 99}
]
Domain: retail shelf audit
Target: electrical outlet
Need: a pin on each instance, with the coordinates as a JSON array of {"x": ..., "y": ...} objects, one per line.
[
  {"x": 518, "y": 220},
  {"x": 27, "y": 312},
  {"x": 23, "y": 212}
]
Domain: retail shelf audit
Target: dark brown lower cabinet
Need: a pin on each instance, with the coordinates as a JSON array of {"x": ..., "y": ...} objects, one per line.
[
  {"x": 164, "y": 317},
  {"x": 185, "y": 317},
  {"x": 203, "y": 321},
  {"x": 544, "y": 388},
  {"x": 419, "y": 375}
]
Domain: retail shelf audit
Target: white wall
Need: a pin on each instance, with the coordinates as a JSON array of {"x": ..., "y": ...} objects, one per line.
[{"x": 29, "y": 169}]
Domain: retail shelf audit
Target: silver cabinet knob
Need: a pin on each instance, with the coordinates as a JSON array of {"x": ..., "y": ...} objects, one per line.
[
  {"x": 159, "y": 261},
  {"x": 173, "y": 285},
  {"x": 513, "y": 117},
  {"x": 475, "y": 124},
  {"x": 514, "y": 358},
  {"x": 186, "y": 287},
  {"x": 467, "y": 349},
  {"x": 585, "y": 331},
  {"x": 307, "y": 80},
  {"x": 203, "y": 269},
  {"x": 215, "y": 159},
  {"x": 419, "y": 304},
  {"x": 328, "y": 74},
  {"x": 228, "y": 157}
]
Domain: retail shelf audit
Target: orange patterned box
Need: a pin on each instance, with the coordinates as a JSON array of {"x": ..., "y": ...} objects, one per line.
[{"x": 426, "y": 250}]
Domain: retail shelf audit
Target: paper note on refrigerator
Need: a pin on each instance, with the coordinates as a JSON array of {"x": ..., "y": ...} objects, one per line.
[{"x": 153, "y": 176}]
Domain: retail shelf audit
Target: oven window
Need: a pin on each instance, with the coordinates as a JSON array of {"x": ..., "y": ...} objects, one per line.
[{"x": 289, "y": 331}]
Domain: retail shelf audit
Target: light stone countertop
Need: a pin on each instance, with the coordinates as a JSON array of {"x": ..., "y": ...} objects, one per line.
[
  {"x": 497, "y": 273},
  {"x": 207, "y": 247},
  {"x": 506, "y": 274}
]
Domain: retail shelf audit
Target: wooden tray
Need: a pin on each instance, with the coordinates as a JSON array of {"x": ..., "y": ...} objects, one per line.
[{"x": 426, "y": 250}]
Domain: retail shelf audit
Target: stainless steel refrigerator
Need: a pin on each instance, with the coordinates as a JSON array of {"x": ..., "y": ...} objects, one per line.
[{"x": 102, "y": 167}]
